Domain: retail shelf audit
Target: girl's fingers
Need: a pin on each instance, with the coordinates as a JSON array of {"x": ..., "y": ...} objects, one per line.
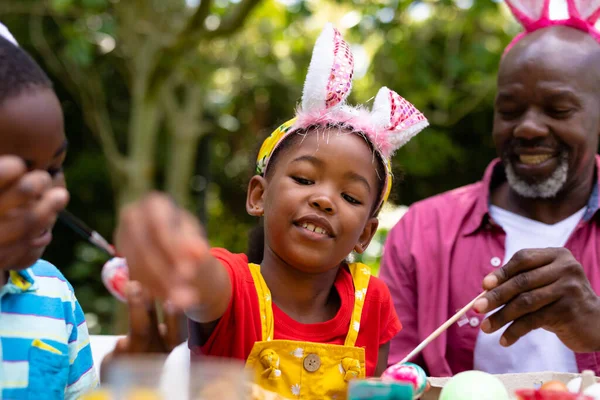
[{"x": 143, "y": 260}]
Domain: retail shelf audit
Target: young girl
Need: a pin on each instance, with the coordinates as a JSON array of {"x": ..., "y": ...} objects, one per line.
[
  {"x": 44, "y": 343},
  {"x": 305, "y": 320}
]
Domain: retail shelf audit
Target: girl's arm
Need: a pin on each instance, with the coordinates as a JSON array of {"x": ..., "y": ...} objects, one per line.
[
  {"x": 382, "y": 360},
  {"x": 167, "y": 253}
]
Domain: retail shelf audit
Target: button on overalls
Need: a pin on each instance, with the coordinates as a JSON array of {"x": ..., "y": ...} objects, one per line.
[{"x": 307, "y": 370}]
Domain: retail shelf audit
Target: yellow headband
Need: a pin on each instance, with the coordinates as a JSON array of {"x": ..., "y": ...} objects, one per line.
[{"x": 283, "y": 131}]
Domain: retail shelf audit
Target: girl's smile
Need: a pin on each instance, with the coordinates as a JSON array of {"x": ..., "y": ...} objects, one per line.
[{"x": 316, "y": 227}]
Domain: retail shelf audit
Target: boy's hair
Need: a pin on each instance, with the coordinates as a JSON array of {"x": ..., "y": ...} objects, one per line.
[{"x": 19, "y": 72}]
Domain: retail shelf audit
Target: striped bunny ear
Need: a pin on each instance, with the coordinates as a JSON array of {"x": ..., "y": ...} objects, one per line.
[
  {"x": 400, "y": 120},
  {"x": 587, "y": 10},
  {"x": 5, "y": 33},
  {"x": 528, "y": 12},
  {"x": 329, "y": 78}
]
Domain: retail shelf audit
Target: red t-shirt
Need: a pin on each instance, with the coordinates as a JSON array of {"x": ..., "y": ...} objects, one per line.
[{"x": 240, "y": 327}]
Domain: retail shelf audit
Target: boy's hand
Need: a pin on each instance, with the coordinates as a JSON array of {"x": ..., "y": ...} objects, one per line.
[
  {"x": 165, "y": 250},
  {"x": 146, "y": 335},
  {"x": 28, "y": 205}
]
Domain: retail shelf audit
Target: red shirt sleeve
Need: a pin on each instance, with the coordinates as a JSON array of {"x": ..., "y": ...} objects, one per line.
[{"x": 239, "y": 328}]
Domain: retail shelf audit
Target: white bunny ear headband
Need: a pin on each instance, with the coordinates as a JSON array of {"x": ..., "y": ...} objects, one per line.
[
  {"x": 535, "y": 14},
  {"x": 5, "y": 33},
  {"x": 390, "y": 124}
]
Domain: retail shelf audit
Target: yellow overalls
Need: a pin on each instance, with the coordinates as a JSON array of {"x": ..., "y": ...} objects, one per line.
[{"x": 306, "y": 370}]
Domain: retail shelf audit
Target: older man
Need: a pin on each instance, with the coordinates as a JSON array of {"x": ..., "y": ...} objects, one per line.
[{"x": 535, "y": 211}]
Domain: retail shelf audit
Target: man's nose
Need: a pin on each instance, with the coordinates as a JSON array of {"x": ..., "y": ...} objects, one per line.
[{"x": 532, "y": 126}]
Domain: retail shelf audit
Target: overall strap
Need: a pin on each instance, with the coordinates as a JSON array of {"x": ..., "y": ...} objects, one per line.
[
  {"x": 361, "y": 274},
  {"x": 264, "y": 303}
]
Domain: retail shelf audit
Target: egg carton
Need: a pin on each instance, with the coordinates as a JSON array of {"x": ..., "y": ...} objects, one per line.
[{"x": 530, "y": 380}]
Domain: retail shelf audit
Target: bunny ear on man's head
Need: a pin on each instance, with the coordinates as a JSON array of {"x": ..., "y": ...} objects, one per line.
[
  {"x": 587, "y": 10},
  {"x": 528, "y": 12},
  {"x": 329, "y": 78}
]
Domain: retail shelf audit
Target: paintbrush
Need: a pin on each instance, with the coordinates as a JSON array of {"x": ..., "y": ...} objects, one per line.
[
  {"x": 441, "y": 329},
  {"x": 79, "y": 227}
]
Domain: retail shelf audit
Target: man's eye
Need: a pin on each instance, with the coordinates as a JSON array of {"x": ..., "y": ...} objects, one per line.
[
  {"x": 302, "y": 181},
  {"x": 509, "y": 113},
  {"x": 560, "y": 112}
]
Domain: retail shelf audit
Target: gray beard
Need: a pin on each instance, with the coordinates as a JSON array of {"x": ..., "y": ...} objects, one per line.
[{"x": 546, "y": 189}]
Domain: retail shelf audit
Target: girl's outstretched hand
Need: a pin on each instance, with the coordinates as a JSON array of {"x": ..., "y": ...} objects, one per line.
[
  {"x": 166, "y": 252},
  {"x": 164, "y": 246}
]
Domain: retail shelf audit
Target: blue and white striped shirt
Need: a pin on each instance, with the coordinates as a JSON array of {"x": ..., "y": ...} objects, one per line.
[{"x": 45, "y": 352}]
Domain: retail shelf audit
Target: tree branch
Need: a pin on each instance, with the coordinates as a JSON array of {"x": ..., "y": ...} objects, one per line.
[
  {"x": 235, "y": 19},
  {"x": 191, "y": 35}
]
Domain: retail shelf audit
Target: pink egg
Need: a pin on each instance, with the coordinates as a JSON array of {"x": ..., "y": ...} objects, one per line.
[{"x": 407, "y": 373}]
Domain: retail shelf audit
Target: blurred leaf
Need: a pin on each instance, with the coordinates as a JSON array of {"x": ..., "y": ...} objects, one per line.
[
  {"x": 61, "y": 6},
  {"x": 80, "y": 51}
]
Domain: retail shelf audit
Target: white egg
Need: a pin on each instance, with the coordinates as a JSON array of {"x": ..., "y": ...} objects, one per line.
[{"x": 593, "y": 391}]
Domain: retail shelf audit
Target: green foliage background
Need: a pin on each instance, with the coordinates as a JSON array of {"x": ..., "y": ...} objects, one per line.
[{"x": 442, "y": 55}]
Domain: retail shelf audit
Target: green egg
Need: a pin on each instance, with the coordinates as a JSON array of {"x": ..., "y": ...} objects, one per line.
[{"x": 474, "y": 385}]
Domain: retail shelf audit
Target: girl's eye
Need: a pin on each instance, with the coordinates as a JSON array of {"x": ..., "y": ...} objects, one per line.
[
  {"x": 351, "y": 199},
  {"x": 55, "y": 171},
  {"x": 302, "y": 181}
]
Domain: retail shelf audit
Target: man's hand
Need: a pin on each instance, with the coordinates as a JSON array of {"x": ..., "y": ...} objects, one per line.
[
  {"x": 543, "y": 288},
  {"x": 28, "y": 205}
]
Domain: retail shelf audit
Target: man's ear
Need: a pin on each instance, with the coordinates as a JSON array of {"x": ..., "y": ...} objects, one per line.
[
  {"x": 367, "y": 235},
  {"x": 254, "y": 198}
]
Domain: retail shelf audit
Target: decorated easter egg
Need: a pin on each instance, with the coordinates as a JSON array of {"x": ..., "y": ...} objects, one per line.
[
  {"x": 554, "y": 385},
  {"x": 115, "y": 275},
  {"x": 474, "y": 385},
  {"x": 407, "y": 373}
]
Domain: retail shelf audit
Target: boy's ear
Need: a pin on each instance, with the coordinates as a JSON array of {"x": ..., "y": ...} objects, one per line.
[
  {"x": 367, "y": 235},
  {"x": 254, "y": 199}
]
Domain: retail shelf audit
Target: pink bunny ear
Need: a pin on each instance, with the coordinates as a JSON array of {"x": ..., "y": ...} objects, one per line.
[
  {"x": 528, "y": 12},
  {"x": 587, "y": 10},
  {"x": 398, "y": 117},
  {"x": 329, "y": 78}
]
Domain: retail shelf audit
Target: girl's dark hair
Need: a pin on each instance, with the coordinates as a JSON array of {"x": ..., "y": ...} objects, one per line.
[
  {"x": 256, "y": 235},
  {"x": 18, "y": 71}
]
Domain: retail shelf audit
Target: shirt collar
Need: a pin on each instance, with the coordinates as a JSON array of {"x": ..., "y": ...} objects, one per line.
[
  {"x": 494, "y": 175},
  {"x": 21, "y": 281}
]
